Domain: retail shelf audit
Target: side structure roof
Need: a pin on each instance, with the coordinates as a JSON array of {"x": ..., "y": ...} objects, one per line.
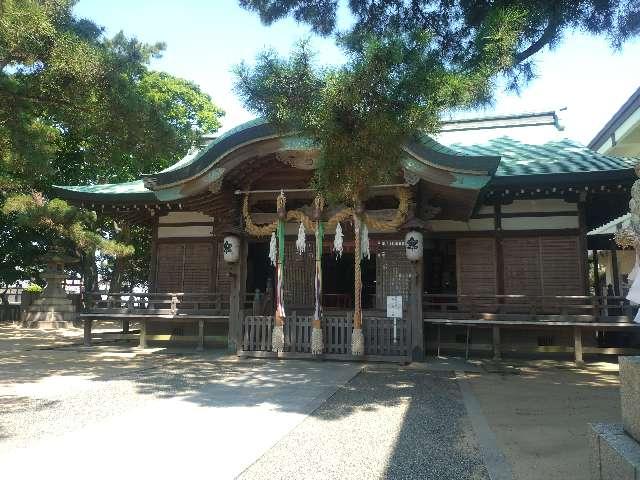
[{"x": 552, "y": 161}]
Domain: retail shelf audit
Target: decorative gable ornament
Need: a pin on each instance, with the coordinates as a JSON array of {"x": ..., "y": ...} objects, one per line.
[
  {"x": 301, "y": 242},
  {"x": 337, "y": 241},
  {"x": 413, "y": 245},
  {"x": 364, "y": 242},
  {"x": 231, "y": 248},
  {"x": 273, "y": 249}
]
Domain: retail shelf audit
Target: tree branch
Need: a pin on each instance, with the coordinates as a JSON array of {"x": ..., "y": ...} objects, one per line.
[
  {"x": 545, "y": 38},
  {"x": 45, "y": 101}
]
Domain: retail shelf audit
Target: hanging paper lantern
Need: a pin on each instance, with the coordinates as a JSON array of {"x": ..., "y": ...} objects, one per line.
[
  {"x": 413, "y": 245},
  {"x": 337, "y": 241},
  {"x": 273, "y": 252},
  {"x": 231, "y": 248},
  {"x": 364, "y": 242},
  {"x": 301, "y": 242}
]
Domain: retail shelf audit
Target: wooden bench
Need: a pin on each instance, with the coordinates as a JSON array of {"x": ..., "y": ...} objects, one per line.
[
  {"x": 577, "y": 327},
  {"x": 126, "y": 307},
  {"x": 575, "y": 312},
  {"x": 143, "y": 318}
]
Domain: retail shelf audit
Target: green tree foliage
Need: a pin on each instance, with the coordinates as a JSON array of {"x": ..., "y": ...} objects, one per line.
[
  {"x": 454, "y": 24},
  {"x": 66, "y": 228},
  {"x": 77, "y": 107},
  {"x": 408, "y": 61},
  {"x": 390, "y": 90}
]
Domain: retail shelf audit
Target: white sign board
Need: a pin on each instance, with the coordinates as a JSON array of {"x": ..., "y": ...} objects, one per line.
[{"x": 394, "y": 306}]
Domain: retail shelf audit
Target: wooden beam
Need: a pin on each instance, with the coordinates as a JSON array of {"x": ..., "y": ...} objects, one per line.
[
  {"x": 303, "y": 190},
  {"x": 615, "y": 270},
  {"x": 596, "y": 274},
  {"x": 582, "y": 242},
  {"x": 417, "y": 324},
  {"x": 497, "y": 209}
]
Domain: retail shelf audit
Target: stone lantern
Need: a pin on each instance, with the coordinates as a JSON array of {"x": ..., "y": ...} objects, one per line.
[{"x": 52, "y": 309}]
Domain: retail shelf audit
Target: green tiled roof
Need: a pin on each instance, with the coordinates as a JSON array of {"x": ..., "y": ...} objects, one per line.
[
  {"x": 132, "y": 190},
  {"x": 564, "y": 156},
  {"x": 516, "y": 160},
  {"x": 195, "y": 156}
]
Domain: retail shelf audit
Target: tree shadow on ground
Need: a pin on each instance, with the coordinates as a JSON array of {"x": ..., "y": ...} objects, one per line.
[{"x": 212, "y": 379}]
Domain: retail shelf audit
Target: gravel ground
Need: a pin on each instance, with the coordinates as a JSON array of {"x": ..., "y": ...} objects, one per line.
[{"x": 385, "y": 423}]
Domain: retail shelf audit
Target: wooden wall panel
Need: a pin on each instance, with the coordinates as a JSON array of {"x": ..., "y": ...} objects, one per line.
[
  {"x": 299, "y": 273},
  {"x": 198, "y": 265},
  {"x": 185, "y": 267},
  {"x": 561, "y": 265},
  {"x": 522, "y": 275},
  {"x": 393, "y": 273},
  {"x": 169, "y": 267},
  {"x": 544, "y": 265},
  {"x": 476, "y": 266}
]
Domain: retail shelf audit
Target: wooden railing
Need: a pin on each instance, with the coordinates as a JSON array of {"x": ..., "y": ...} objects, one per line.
[
  {"x": 564, "y": 308},
  {"x": 155, "y": 303},
  {"x": 337, "y": 328}
]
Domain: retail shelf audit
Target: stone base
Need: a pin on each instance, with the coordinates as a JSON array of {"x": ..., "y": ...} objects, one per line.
[
  {"x": 614, "y": 454},
  {"x": 49, "y": 316},
  {"x": 46, "y": 324},
  {"x": 630, "y": 395}
]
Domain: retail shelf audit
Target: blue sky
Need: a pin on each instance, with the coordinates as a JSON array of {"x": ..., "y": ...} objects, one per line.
[{"x": 205, "y": 38}]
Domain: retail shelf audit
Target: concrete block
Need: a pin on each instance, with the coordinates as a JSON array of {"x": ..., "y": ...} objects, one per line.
[
  {"x": 630, "y": 395},
  {"x": 614, "y": 454}
]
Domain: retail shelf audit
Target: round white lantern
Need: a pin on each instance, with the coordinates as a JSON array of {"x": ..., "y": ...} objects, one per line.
[
  {"x": 413, "y": 245},
  {"x": 231, "y": 248}
]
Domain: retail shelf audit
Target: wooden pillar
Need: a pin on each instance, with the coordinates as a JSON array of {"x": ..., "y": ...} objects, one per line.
[
  {"x": 615, "y": 270},
  {"x": 153, "y": 262},
  {"x": 417, "y": 322},
  {"x": 596, "y": 274},
  {"x": 577, "y": 342},
  {"x": 238, "y": 273},
  {"x": 497, "y": 221},
  {"x": 582, "y": 243}
]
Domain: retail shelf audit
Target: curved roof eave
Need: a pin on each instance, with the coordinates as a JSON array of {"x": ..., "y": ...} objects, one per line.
[
  {"x": 468, "y": 171},
  {"x": 185, "y": 170},
  {"x": 425, "y": 149},
  {"x": 113, "y": 193}
]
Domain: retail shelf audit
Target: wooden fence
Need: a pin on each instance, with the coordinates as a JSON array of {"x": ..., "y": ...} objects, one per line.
[{"x": 380, "y": 342}]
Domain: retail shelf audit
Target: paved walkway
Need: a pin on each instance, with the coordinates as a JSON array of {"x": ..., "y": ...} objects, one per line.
[
  {"x": 115, "y": 410},
  {"x": 101, "y": 412}
]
